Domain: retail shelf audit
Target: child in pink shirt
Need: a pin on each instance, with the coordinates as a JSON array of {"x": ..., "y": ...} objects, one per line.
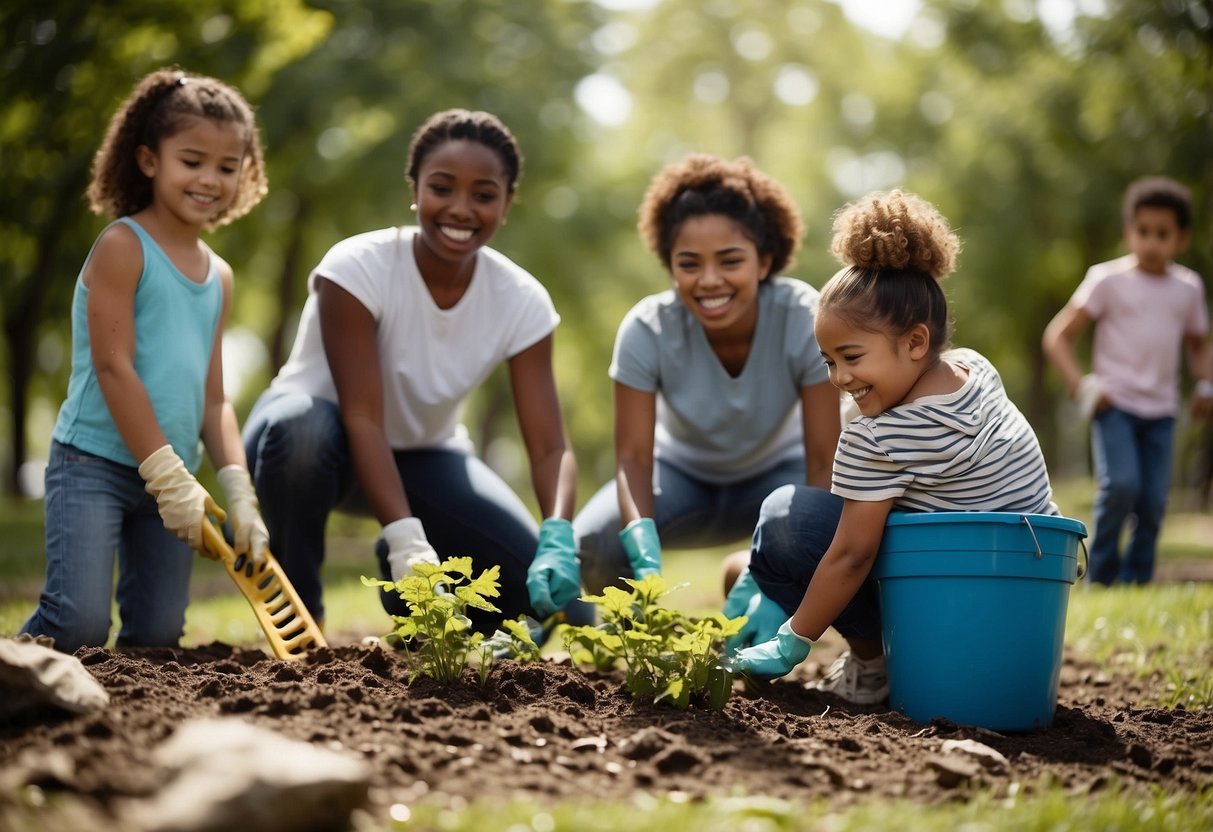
[{"x": 1146, "y": 310}]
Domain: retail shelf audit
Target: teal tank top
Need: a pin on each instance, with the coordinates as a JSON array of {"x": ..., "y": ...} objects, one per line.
[{"x": 175, "y": 321}]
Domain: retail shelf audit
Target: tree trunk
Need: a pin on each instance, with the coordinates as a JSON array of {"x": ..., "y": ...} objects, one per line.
[
  {"x": 23, "y": 313},
  {"x": 288, "y": 287}
]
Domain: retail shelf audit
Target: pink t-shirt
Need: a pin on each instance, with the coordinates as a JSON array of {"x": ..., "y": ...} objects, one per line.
[{"x": 1140, "y": 323}]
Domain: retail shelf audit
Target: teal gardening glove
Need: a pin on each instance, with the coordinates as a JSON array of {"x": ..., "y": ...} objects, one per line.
[
  {"x": 765, "y": 616},
  {"x": 640, "y": 541},
  {"x": 772, "y": 658},
  {"x": 554, "y": 577}
]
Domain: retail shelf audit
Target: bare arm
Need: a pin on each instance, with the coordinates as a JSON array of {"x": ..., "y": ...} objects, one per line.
[
  {"x": 1200, "y": 362},
  {"x": 820, "y": 413},
  {"x": 1058, "y": 344},
  {"x": 553, "y": 466},
  {"x": 220, "y": 430},
  {"x": 112, "y": 276},
  {"x": 348, "y": 331},
  {"x": 844, "y": 567},
  {"x": 635, "y": 425}
]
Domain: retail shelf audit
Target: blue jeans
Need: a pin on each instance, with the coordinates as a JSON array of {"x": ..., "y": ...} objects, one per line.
[
  {"x": 688, "y": 512},
  {"x": 1133, "y": 475},
  {"x": 302, "y": 470},
  {"x": 795, "y": 528},
  {"x": 94, "y": 508}
]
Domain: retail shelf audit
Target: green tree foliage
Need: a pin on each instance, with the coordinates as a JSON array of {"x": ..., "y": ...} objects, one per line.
[
  {"x": 65, "y": 68},
  {"x": 1023, "y": 130}
]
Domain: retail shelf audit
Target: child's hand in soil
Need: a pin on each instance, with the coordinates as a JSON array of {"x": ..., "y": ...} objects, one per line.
[{"x": 773, "y": 658}]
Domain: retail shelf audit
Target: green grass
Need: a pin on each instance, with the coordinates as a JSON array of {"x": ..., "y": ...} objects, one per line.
[
  {"x": 1163, "y": 629},
  {"x": 1037, "y": 807}
]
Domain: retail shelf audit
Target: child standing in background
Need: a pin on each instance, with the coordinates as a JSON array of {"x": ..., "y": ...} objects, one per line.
[
  {"x": 721, "y": 395},
  {"x": 1146, "y": 310},
  {"x": 181, "y": 154},
  {"x": 937, "y": 433}
]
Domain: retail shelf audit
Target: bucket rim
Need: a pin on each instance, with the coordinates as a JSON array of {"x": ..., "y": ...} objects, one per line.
[{"x": 923, "y": 518}]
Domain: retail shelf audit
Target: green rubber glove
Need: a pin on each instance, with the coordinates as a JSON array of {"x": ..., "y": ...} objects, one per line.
[
  {"x": 773, "y": 658},
  {"x": 554, "y": 577},
  {"x": 643, "y": 548},
  {"x": 765, "y": 616}
]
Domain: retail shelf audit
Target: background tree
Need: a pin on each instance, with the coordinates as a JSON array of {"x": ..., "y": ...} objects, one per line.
[
  {"x": 64, "y": 71},
  {"x": 1023, "y": 129}
]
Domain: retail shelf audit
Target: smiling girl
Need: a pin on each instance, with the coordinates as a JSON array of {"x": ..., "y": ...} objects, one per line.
[
  {"x": 400, "y": 326},
  {"x": 720, "y": 391},
  {"x": 937, "y": 433},
  {"x": 181, "y": 155}
]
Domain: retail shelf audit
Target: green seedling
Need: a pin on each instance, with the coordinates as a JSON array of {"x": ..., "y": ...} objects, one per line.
[
  {"x": 668, "y": 656},
  {"x": 437, "y": 627}
]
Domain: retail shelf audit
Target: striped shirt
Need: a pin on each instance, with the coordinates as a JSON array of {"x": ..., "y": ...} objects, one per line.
[{"x": 971, "y": 450}]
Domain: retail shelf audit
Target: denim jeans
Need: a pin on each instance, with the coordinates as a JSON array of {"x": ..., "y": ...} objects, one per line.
[
  {"x": 94, "y": 508},
  {"x": 795, "y": 528},
  {"x": 688, "y": 512},
  {"x": 1133, "y": 475},
  {"x": 302, "y": 470}
]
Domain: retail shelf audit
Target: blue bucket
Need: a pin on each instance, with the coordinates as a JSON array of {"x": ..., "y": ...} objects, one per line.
[{"x": 973, "y": 614}]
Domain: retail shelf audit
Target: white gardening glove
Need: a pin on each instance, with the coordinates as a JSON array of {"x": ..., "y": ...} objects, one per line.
[
  {"x": 248, "y": 529},
  {"x": 406, "y": 545},
  {"x": 183, "y": 503},
  {"x": 1088, "y": 395}
]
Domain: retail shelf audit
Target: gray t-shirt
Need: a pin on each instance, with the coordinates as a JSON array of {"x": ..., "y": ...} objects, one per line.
[{"x": 710, "y": 424}]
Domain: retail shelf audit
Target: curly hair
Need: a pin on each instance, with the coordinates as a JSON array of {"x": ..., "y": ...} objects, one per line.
[
  {"x": 896, "y": 248},
  {"x": 1158, "y": 192},
  {"x": 162, "y": 105},
  {"x": 472, "y": 125},
  {"x": 701, "y": 184}
]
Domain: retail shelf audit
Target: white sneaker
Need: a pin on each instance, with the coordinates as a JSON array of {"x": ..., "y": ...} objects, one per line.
[{"x": 862, "y": 681}]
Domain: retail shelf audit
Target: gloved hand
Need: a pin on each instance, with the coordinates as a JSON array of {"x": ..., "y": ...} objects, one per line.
[
  {"x": 772, "y": 658},
  {"x": 183, "y": 503},
  {"x": 765, "y": 616},
  {"x": 248, "y": 529},
  {"x": 1088, "y": 395},
  {"x": 640, "y": 541},
  {"x": 554, "y": 577},
  {"x": 406, "y": 545}
]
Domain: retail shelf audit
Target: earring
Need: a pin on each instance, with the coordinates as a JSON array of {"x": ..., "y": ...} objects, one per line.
[{"x": 413, "y": 206}]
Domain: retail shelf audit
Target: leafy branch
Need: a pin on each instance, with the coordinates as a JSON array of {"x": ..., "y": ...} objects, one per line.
[
  {"x": 667, "y": 655},
  {"x": 437, "y": 627}
]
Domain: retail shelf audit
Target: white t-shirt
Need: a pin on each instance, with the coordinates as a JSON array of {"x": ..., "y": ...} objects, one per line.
[
  {"x": 431, "y": 359},
  {"x": 1140, "y": 322},
  {"x": 971, "y": 450},
  {"x": 718, "y": 427}
]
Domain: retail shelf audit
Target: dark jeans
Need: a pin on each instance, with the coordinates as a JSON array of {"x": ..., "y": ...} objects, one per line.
[
  {"x": 795, "y": 528},
  {"x": 301, "y": 467},
  {"x": 1132, "y": 458}
]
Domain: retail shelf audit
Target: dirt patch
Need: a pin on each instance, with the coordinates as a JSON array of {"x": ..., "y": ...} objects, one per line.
[{"x": 550, "y": 732}]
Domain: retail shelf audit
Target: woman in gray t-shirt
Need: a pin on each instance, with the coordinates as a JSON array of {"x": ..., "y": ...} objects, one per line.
[{"x": 721, "y": 394}]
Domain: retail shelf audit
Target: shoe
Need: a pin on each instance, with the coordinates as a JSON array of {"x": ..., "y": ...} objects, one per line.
[{"x": 861, "y": 681}]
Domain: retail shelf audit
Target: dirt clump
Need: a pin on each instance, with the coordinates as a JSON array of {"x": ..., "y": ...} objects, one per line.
[{"x": 549, "y": 731}]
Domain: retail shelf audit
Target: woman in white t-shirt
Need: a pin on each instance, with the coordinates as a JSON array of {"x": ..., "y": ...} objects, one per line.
[
  {"x": 721, "y": 394},
  {"x": 399, "y": 327}
]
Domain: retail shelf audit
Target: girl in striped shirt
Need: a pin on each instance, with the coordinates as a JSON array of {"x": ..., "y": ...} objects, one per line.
[{"x": 936, "y": 433}]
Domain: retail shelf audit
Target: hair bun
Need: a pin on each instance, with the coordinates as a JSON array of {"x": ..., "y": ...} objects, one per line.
[{"x": 896, "y": 231}]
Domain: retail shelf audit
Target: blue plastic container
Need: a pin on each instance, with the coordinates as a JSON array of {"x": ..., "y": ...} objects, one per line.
[{"x": 973, "y": 609}]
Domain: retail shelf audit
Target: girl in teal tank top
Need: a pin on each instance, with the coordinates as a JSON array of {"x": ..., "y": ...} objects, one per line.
[{"x": 182, "y": 154}]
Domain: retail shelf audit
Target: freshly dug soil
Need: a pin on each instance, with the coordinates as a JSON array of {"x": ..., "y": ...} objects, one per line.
[{"x": 550, "y": 732}]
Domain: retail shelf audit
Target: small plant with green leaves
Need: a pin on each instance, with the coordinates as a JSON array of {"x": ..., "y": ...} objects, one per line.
[
  {"x": 667, "y": 655},
  {"x": 438, "y": 628}
]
